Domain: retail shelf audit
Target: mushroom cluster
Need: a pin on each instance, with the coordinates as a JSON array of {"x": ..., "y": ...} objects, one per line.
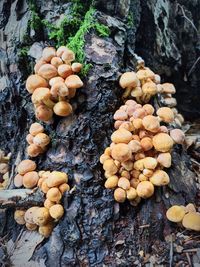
[
  {"x": 140, "y": 150},
  {"x": 37, "y": 140},
  {"x": 4, "y": 169},
  {"x": 54, "y": 83},
  {"x": 186, "y": 216},
  {"x": 53, "y": 184}
]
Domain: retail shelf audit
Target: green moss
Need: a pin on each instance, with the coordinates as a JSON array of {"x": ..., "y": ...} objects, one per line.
[
  {"x": 23, "y": 52},
  {"x": 130, "y": 20},
  {"x": 35, "y": 21}
]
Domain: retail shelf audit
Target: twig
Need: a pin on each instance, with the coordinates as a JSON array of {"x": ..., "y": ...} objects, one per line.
[
  {"x": 190, "y": 250},
  {"x": 144, "y": 226},
  {"x": 171, "y": 253},
  {"x": 189, "y": 260},
  {"x": 193, "y": 66},
  {"x": 189, "y": 20}
]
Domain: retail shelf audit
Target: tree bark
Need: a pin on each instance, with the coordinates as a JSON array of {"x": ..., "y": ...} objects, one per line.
[{"x": 97, "y": 231}]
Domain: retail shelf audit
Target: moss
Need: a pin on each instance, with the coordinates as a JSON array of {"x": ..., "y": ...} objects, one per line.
[
  {"x": 35, "y": 21},
  {"x": 130, "y": 20},
  {"x": 23, "y": 52}
]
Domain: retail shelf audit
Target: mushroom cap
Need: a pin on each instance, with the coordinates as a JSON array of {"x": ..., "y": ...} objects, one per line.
[
  {"x": 25, "y": 166},
  {"x": 44, "y": 187},
  {"x": 28, "y": 216},
  {"x": 46, "y": 229},
  {"x": 121, "y": 136},
  {"x": 165, "y": 114},
  {"x": 165, "y": 159},
  {"x": 38, "y": 64},
  {"x": 40, "y": 94},
  {"x": 178, "y": 136},
  {"x": 149, "y": 109},
  {"x": 48, "y": 53},
  {"x": 36, "y": 128},
  {"x": 68, "y": 56},
  {"x": 145, "y": 74},
  {"x": 149, "y": 88},
  {"x": 124, "y": 183},
  {"x": 146, "y": 143},
  {"x": 191, "y": 221},
  {"x": 131, "y": 193},
  {"x": 34, "y": 81},
  {"x": 41, "y": 140},
  {"x": 168, "y": 88},
  {"x": 56, "y": 178},
  {"x": 54, "y": 80},
  {"x": 120, "y": 195},
  {"x": 34, "y": 150},
  {"x": 76, "y": 67},
  {"x": 47, "y": 71},
  {"x": 64, "y": 188},
  {"x": 110, "y": 166},
  {"x": 136, "y": 92},
  {"x": 56, "y": 61},
  {"x": 120, "y": 115},
  {"x": 43, "y": 113},
  {"x": 48, "y": 203},
  {"x": 175, "y": 213},
  {"x": 56, "y": 211},
  {"x": 121, "y": 152},
  {"x": 31, "y": 226},
  {"x": 190, "y": 208},
  {"x": 41, "y": 216},
  {"x": 62, "y": 108},
  {"x": 135, "y": 146},
  {"x": 73, "y": 82},
  {"x": 111, "y": 182},
  {"x": 30, "y": 179},
  {"x": 139, "y": 165},
  {"x": 64, "y": 70},
  {"x": 150, "y": 163},
  {"x": 18, "y": 180},
  {"x": 61, "y": 50},
  {"x": 54, "y": 194},
  {"x": 4, "y": 168},
  {"x": 159, "y": 178},
  {"x": 59, "y": 88},
  {"x": 145, "y": 189},
  {"x": 29, "y": 139},
  {"x": 19, "y": 216},
  {"x": 151, "y": 123},
  {"x": 162, "y": 142},
  {"x": 128, "y": 79}
]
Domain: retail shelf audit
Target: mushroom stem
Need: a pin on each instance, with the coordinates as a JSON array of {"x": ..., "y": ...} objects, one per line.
[
  {"x": 61, "y": 98},
  {"x": 5, "y": 159},
  {"x": 127, "y": 92},
  {"x": 49, "y": 103}
]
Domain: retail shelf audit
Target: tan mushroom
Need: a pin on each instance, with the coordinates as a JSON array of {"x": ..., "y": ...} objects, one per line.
[
  {"x": 25, "y": 166},
  {"x": 162, "y": 142},
  {"x": 43, "y": 113},
  {"x": 48, "y": 53},
  {"x": 145, "y": 189},
  {"x": 165, "y": 114},
  {"x": 175, "y": 213},
  {"x": 62, "y": 109},
  {"x": 35, "y": 81},
  {"x": 159, "y": 178},
  {"x": 73, "y": 82},
  {"x": 47, "y": 71}
]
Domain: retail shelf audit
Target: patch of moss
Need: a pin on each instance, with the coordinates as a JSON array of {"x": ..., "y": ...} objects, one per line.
[
  {"x": 130, "y": 20},
  {"x": 35, "y": 21},
  {"x": 23, "y": 52}
]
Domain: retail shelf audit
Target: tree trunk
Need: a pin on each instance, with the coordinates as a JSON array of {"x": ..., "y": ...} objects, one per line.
[{"x": 97, "y": 231}]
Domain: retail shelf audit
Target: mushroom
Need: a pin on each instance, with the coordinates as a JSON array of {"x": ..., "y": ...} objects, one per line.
[
  {"x": 46, "y": 230},
  {"x": 124, "y": 183},
  {"x": 64, "y": 70},
  {"x": 48, "y": 203},
  {"x": 110, "y": 166},
  {"x": 64, "y": 188},
  {"x": 4, "y": 168},
  {"x": 151, "y": 123},
  {"x": 121, "y": 152},
  {"x": 56, "y": 211},
  {"x": 61, "y": 50},
  {"x": 120, "y": 195},
  {"x": 168, "y": 88},
  {"x": 190, "y": 208},
  {"x": 56, "y": 61},
  {"x": 29, "y": 139},
  {"x": 31, "y": 226},
  {"x": 44, "y": 186},
  {"x": 62, "y": 108},
  {"x": 54, "y": 80},
  {"x": 76, "y": 67},
  {"x": 121, "y": 136},
  {"x": 165, "y": 114},
  {"x": 149, "y": 109},
  {"x": 42, "y": 95},
  {"x": 131, "y": 193},
  {"x": 178, "y": 136},
  {"x": 38, "y": 64},
  {"x": 48, "y": 53},
  {"x": 111, "y": 182},
  {"x": 149, "y": 89},
  {"x": 43, "y": 113},
  {"x": 25, "y": 166},
  {"x": 19, "y": 216},
  {"x": 28, "y": 216},
  {"x": 191, "y": 221},
  {"x": 47, "y": 71},
  {"x": 59, "y": 89},
  {"x": 36, "y": 128},
  {"x": 30, "y": 179},
  {"x": 18, "y": 180},
  {"x": 164, "y": 159},
  {"x": 41, "y": 216},
  {"x": 73, "y": 82},
  {"x": 162, "y": 142},
  {"x": 128, "y": 79},
  {"x": 120, "y": 115},
  {"x": 56, "y": 178},
  {"x": 146, "y": 143},
  {"x": 54, "y": 194},
  {"x": 175, "y": 213},
  {"x": 34, "y": 150},
  {"x": 159, "y": 178},
  {"x": 145, "y": 189},
  {"x": 137, "y": 123},
  {"x": 135, "y": 146},
  {"x": 68, "y": 56},
  {"x": 150, "y": 163},
  {"x": 41, "y": 140},
  {"x": 34, "y": 81},
  {"x": 145, "y": 74}
]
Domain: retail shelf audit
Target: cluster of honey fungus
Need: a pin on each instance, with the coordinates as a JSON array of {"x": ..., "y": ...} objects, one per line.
[
  {"x": 54, "y": 83},
  {"x": 4, "y": 169},
  {"x": 53, "y": 184}
]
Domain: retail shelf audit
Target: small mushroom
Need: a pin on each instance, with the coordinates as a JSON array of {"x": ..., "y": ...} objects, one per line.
[
  {"x": 146, "y": 143},
  {"x": 68, "y": 56},
  {"x": 178, "y": 136},
  {"x": 190, "y": 208},
  {"x": 54, "y": 80},
  {"x": 111, "y": 182},
  {"x": 59, "y": 89},
  {"x": 120, "y": 195},
  {"x": 168, "y": 88},
  {"x": 4, "y": 168},
  {"x": 135, "y": 146},
  {"x": 28, "y": 216},
  {"x": 19, "y": 216},
  {"x": 149, "y": 109},
  {"x": 110, "y": 166},
  {"x": 47, "y": 71},
  {"x": 29, "y": 139},
  {"x": 46, "y": 230},
  {"x": 121, "y": 136},
  {"x": 34, "y": 150},
  {"x": 162, "y": 142},
  {"x": 121, "y": 152},
  {"x": 165, "y": 159},
  {"x": 38, "y": 64},
  {"x": 41, "y": 140},
  {"x": 56, "y": 61},
  {"x": 30, "y": 179},
  {"x": 61, "y": 50},
  {"x": 41, "y": 216},
  {"x": 48, "y": 203},
  {"x": 64, "y": 188},
  {"x": 48, "y": 53},
  {"x": 131, "y": 193},
  {"x": 25, "y": 166},
  {"x": 56, "y": 211},
  {"x": 151, "y": 123},
  {"x": 56, "y": 178},
  {"x": 31, "y": 226},
  {"x": 145, "y": 189},
  {"x": 159, "y": 178},
  {"x": 145, "y": 74},
  {"x": 36, "y": 128},
  {"x": 73, "y": 82},
  {"x": 165, "y": 114},
  {"x": 42, "y": 95},
  {"x": 18, "y": 180},
  {"x": 43, "y": 113},
  {"x": 175, "y": 213},
  {"x": 76, "y": 67},
  {"x": 191, "y": 221},
  {"x": 150, "y": 163},
  {"x": 62, "y": 109},
  {"x": 54, "y": 194},
  {"x": 64, "y": 70},
  {"x": 128, "y": 79},
  {"x": 124, "y": 183},
  {"x": 35, "y": 81}
]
